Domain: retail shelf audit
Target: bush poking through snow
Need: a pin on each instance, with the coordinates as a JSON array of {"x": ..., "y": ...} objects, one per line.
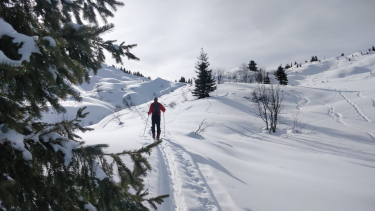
[
  {"x": 127, "y": 101},
  {"x": 172, "y": 104},
  {"x": 184, "y": 96},
  {"x": 268, "y": 103},
  {"x": 202, "y": 127},
  {"x": 117, "y": 116},
  {"x": 99, "y": 88},
  {"x": 298, "y": 126}
]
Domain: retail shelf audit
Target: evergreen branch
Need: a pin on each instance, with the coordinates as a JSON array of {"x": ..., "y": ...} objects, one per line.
[{"x": 158, "y": 200}]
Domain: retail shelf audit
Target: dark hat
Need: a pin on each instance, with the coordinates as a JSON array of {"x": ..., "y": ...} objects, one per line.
[{"x": 156, "y": 99}]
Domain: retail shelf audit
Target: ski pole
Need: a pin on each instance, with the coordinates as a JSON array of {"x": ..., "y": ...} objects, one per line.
[
  {"x": 145, "y": 125},
  {"x": 164, "y": 123}
]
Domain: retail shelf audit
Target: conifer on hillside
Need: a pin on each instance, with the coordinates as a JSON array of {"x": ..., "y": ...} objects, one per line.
[
  {"x": 182, "y": 80},
  {"x": 281, "y": 76},
  {"x": 204, "y": 84},
  {"x": 44, "y": 166},
  {"x": 252, "y": 66}
]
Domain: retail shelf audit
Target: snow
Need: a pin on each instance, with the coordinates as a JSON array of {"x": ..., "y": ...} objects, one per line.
[
  {"x": 75, "y": 25},
  {"x": 8, "y": 177},
  {"x": 26, "y": 50},
  {"x": 116, "y": 47},
  {"x": 99, "y": 173},
  {"x": 16, "y": 140},
  {"x": 90, "y": 207},
  {"x": 107, "y": 90},
  {"x": 51, "y": 41},
  {"x": 329, "y": 164},
  {"x": 66, "y": 146}
]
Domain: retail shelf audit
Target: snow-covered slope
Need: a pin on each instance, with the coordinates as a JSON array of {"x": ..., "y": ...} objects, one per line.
[
  {"x": 235, "y": 165},
  {"x": 108, "y": 90}
]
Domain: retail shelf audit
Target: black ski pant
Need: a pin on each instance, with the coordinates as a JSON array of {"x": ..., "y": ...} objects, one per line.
[{"x": 155, "y": 119}]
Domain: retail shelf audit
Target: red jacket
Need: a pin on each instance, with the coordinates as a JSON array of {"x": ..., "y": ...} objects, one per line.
[{"x": 151, "y": 108}]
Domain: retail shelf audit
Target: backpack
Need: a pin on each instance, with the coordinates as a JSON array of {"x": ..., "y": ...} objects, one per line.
[{"x": 155, "y": 109}]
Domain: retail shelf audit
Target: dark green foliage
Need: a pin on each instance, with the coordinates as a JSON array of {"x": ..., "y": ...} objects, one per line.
[
  {"x": 204, "y": 84},
  {"x": 267, "y": 79},
  {"x": 253, "y": 66},
  {"x": 314, "y": 59},
  {"x": 373, "y": 48},
  {"x": 287, "y": 66},
  {"x": 48, "y": 180},
  {"x": 129, "y": 72},
  {"x": 281, "y": 76},
  {"x": 182, "y": 80},
  {"x": 342, "y": 54}
]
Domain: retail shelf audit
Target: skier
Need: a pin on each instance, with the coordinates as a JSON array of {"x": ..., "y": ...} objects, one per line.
[{"x": 155, "y": 108}]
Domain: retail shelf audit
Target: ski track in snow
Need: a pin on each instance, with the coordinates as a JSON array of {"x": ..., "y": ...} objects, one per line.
[
  {"x": 356, "y": 108},
  {"x": 304, "y": 103},
  {"x": 360, "y": 95},
  {"x": 185, "y": 173},
  {"x": 335, "y": 115},
  {"x": 339, "y": 118}
]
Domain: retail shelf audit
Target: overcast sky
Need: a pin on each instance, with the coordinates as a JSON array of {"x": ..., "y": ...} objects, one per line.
[{"x": 170, "y": 33}]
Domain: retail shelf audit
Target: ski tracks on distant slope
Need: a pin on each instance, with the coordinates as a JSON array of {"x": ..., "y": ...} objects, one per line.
[
  {"x": 303, "y": 103},
  {"x": 356, "y": 108},
  {"x": 335, "y": 115},
  {"x": 186, "y": 180},
  {"x": 360, "y": 95},
  {"x": 339, "y": 117}
]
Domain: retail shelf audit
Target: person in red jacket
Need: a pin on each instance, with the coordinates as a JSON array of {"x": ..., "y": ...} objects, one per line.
[{"x": 155, "y": 109}]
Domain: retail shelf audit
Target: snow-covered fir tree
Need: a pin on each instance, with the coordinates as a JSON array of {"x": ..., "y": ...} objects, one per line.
[
  {"x": 47, "y": 47},
  {"x": 204, "y": 84}
]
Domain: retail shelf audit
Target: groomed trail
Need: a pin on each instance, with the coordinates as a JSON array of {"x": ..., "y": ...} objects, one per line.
[{"x": 328, "y": 164}]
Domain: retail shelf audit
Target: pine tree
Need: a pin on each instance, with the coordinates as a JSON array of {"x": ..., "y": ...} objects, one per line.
[
  {"x": 204, "y": 84},
  {"x": 44, "y": 166},
  {"x": 373, "y": 48},
  {"x": 281, "y": 76},
  {"x": 252, "y": 66},
  {"x": 182, "y": 80},
  {"x": 287, "y": 66},
  {"x": 267, "y": 79}
]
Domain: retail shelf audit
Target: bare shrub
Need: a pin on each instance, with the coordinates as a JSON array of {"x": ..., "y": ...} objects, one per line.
[
  {"x": 268, "y": 102},
  {"x": 127, "y": 101},
  {"x": 260, "y": 76},
  {"x": 184, "y": 95},
  {"x": 298, "y": 126},
  {"x": 202, "y": 127},
  {"x": 276, "y": 104},
  {"x": 117, "y": 116},
  {"x": 260, "y": 101},
  {"x": 99, "y": 88},
  {"x": 172, "y": 104},
  {"x": 218, "y": 75}
]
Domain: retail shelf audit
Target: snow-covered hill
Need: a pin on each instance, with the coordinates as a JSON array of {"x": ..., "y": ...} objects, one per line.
[
  {"x": 234, "y": 164},
  {"x": 109, "y": 90}
]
